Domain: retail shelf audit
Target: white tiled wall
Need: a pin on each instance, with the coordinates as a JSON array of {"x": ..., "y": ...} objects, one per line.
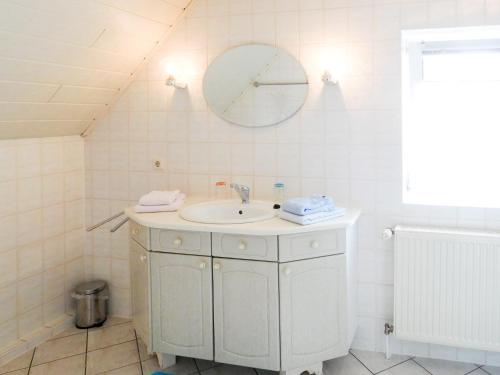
[
  {"x": 41, "y": 232},
  {"x": 344, "y": 142}
]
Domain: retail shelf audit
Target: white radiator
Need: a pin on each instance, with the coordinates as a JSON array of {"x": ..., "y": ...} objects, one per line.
[{"x": 447, "y": 287}]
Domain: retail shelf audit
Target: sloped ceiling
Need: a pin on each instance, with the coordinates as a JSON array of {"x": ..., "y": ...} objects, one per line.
[{"x": 62, "y": 62}]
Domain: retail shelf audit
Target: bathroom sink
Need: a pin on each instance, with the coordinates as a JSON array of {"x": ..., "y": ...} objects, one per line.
[{"x": 228, "y": 212}]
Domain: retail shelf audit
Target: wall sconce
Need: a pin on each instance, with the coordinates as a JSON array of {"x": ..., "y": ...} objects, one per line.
[
  {"x": 171, "y": 81},
  {"x": 172, "y": 70},
  {"x": 328, "y": 79}
]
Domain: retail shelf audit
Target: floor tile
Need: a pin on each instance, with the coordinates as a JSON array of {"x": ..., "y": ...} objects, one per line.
[
  {"x": 205, "y": 365},
  {"x": 184, "y": 366},
  {"x": 266, "y": 372},
  {"x": 442, "y": 367},
  {"x": 112, "y": 357},
  {"x": 492, "y": 370},
  {"x": 143, "y": 351},
  {"x": 134, "y": 369},
  {"x": 405, "y": 368},
  {"x": 19, "y": 372},
  {"x": 72, "y": 365},
  {"x": 112, "y": 321},
  {"x": 111, "y": 335},
  {"x": 21, "y": 362},
  {"x": 377, "y": 362},
  {"x": 60, "y": 348},
  {"x": 479, "y": 371},
  {"x": 229, "y": 370},
  {"x": 69, "y": 332},
  {"x": 347, "y": 365}
]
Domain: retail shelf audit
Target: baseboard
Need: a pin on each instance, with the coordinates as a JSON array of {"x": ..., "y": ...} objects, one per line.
[{"x": 35, "y": 338}]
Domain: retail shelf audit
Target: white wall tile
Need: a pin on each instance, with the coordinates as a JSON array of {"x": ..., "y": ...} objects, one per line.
[
  {"x": 52, "y": 189},
  {"x": 33, "y": 218},
  {"x": 28, "y": 159},
  {"x": 52, "y": 157},
  {"x": 345, "y": 141},
  {"x": 8, "y": 169},
  {"x": 29, "y": 193},
  {"x": 8, "y": 301},
  {"x": 29, "y": 293},
  {"x": 8, "y": 198},
  {"x": 29, "y": 260}
]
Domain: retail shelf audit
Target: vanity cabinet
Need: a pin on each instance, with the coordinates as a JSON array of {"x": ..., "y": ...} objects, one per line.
[
  {"x": 313, "y": 313},
  {"x": 140, "y": 291},
  {"x": 282, "y": 302},
  {"x": 246, "y": 313},
  {"x": 181, "y": 301}
]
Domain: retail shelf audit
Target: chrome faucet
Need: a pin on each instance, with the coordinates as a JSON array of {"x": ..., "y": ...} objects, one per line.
[{"x": 243, "y": 191}]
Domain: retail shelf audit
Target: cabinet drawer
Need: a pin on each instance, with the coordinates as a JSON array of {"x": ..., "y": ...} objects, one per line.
[
  {"x": 309, "y": 245},
  {"x": 140, "y": 234},
  {"x": 182, "y": 242},
  {"x": 245, "y": 247}
]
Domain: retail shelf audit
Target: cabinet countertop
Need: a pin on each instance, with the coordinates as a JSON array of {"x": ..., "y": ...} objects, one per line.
[{"x": 275, "y": 226}]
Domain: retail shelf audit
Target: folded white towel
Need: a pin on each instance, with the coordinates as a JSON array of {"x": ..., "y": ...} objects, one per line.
[
  {"x": 162, "y": 207},
  {"x": 312, "y": 218},
  {"x": 158, "y": 198}
]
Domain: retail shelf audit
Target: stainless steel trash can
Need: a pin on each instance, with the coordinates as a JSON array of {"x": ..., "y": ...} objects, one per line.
[{"x": 91, "y": 303}]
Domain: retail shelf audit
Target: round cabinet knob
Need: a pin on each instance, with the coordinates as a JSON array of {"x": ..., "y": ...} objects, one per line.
[
  {"x": 143, "y": 258},
  {"x": 178, "y": 241},
  {"x": 216, "y": 266},
  {"x": 203, "y": 265},
  {"x": 287, "y": 271},
  {"x": 135, "y": 231},
  {"x": 315, "y": 244},
  {"x": 242, "y": 245}
]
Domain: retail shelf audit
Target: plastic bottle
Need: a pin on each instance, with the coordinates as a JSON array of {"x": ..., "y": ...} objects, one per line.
[
  {"x": 279, "y": 194},
  {"x": 220, "y": 190}
]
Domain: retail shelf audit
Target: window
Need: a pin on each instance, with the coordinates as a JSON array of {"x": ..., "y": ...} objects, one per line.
[{"x": 451, "y": 117}]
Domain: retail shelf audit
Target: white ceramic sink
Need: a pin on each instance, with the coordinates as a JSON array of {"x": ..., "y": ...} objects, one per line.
[{"x": 228, "y": 212}]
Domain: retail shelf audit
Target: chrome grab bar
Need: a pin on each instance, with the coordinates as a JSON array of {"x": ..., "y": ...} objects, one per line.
[
  {"x": 92, "y": 227},
  {"x": 117, "y": 226}
]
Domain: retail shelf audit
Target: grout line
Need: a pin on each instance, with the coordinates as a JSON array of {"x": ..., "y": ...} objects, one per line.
[
  {"x": 483, "y": 370},
  {"x": 418, "y": 364},
  {"x": 138, "y": 352},
  {"x": 198, "y": 372},
  {"x": 400, "y": 363},
  {"x": 197, "y": 367},
  {"x": 31, "y": 362},
  {"x": 109, "y": 346},
  {"x": 371, "y": 372},
  {"x": 86, "y": 350},
  {"x": 63, "y": 337},
  {"x": 118, "y": 368},
  {"x": 59, "y": 359},
  {"x": 477, "y": 368}
]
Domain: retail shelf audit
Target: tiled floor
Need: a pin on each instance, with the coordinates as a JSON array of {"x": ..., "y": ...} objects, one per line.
[{"x": 115, "y": 350}]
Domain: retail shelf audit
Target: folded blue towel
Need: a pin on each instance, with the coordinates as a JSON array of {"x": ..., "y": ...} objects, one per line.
[{"x": 309, "y": 205}]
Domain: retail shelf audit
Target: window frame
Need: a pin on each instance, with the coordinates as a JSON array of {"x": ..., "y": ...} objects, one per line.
[{"x": 415, "y": 44}]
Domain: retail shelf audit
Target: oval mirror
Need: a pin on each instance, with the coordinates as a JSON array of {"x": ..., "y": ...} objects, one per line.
[{"x": 255, "y": 85}]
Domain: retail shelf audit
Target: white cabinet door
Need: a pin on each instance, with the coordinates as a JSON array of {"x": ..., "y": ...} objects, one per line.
[
  {"x": 246, "y": 313},
  {"x": 181, "y": 297},
  {"x": 139, "y": 277},
  {"x": 313, "y": 311}
]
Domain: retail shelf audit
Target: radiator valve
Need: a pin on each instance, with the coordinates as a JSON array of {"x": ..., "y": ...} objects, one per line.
[
  {"x": 388, "y": 329},
  {"x": 387, "y": 233}
]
